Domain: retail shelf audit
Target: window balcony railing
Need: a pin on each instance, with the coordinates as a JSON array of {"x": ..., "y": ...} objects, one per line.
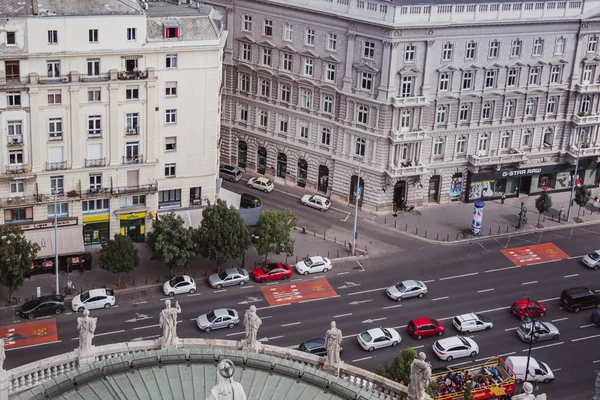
[
  {"x": 409, "y": 136},
  {"x": 151, "y": 188},
  {"x": 588, "y": 87},
  {"x": 130, "y": 75},
  {"x": 16, "y": 169},
  {"x": 410, "y": 101},
  {"x": 53, "y": 166},
  {"x": 132, "y": 131},
  {"x": 406, "y": 169},
  {"x": 94, "y": 78},
  {"x": 95, "y": 162},
  {"x": 54, "y": 79},
  {"x": 15, "y": 140},
  {"x": 94, "y": 134},
  {"x": 138, "y": 159},
  {"x": 13, "y": 201},
  {"x": 516, "y": 156},
  {"x": 98, "y": 192},
  {"x": 54, "y": 137},
  {"x": 586, "y": 119}
]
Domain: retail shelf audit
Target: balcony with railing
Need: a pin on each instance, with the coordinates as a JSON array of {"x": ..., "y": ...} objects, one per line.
[
  {"x": 94, "y": 78},
  {"x": 410, "y": 136},
  {"x": 587, "y": 150},
  {"x": 588, "y": 88},
  {"x": 515, "y": 156},
  {"x": 53, "y": 80},
  {"x": 406, "y": 169},
  {"x": 97, "y": 192},
  {"x": 583, "y": 120},
  {"x": 55, "y": 137},
  {"x": 412, "y": 101},
  {"x": 17, "y": 171},
  {"x": 54, "y": 166},
  {"x": 15, "y": 201},
  {"x": 139, "y": 189},
  {"x": 132, "y": 75},
  {"x": 15, "y": 140},
  {"x": 132, "y": 131},
  {"x": 95, "y": 162},
  {"x": 137, "y": 159}
]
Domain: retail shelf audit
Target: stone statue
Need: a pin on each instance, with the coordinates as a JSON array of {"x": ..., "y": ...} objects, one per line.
[
  {"x": 86, "y": 326},
  {"x": 528, "y": 395},
  {"x": 420, "y": 373},
  {"x": 2, "y": 356},
  {"x": 226, "y": 388},
  {"x": 168, "y": 322},
  {"x": 333, "y": 341},
  {"x": 251, "y": 322}
]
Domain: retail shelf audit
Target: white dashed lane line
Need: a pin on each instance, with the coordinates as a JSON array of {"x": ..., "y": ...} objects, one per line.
[
  {"x": 362, "y": 359},
  {"x": 459, "y": 276},
  {"x": 485, "y": 290},
  {"x": 570, "y": 276},
  {"x": 440, "y": 298},
  {"x": 559, "y": 319},
  {"x": 543, "y": 347},
  {"x": 529, "y": 283}
]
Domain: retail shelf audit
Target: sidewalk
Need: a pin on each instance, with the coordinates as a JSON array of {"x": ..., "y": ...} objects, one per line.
[{"x": 152, "y": 273}]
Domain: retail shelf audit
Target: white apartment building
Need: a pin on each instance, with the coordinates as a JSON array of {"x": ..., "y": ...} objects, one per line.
[
  {"x": 441, "y": 100},
  {"x": 113, "y": 104}
]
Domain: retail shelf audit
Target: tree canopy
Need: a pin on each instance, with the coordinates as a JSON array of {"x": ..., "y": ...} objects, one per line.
[
  {"x": 171, "y": 242},
  {"x": 119, "y": 255},
  {"x": 273, "y": 233},
  {"x": 543, "y": 204},
  {"x": 582, "y": 197},
  {"x": 16, "y": 256}
]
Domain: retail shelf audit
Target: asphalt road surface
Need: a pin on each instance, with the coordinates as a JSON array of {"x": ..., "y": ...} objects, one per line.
[{"x": 470, "y": 277}]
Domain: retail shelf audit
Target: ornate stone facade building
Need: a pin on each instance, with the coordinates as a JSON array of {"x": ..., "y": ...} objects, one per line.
[{"x": 440, "y": 100}]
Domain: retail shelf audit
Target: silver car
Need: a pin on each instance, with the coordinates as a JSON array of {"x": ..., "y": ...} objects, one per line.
[
  {"x": 406, "y": 289},
  {"x": 229, "y": 277},
  {"x": 541, "y": 331},
  {"x": 217, "y": 319}
]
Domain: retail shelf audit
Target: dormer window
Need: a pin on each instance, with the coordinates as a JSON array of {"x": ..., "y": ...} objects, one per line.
[{"x": 171, "y": 30}]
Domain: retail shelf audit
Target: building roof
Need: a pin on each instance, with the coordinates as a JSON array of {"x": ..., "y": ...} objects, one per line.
[
  {"x": 166, "y": 9},
  {"x": 87, "y": 7},
  {"x": 13, "y": 8}
]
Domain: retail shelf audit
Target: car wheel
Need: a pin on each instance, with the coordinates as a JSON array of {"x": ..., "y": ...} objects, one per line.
[
  {"x": 206, "y": 330},
  {"x": 487, "y": 328},
  {"x": 231, "y": 325},
  {"x": 440, "y": 333},
  {"x": 394, "y": 344},
  {"x": 263, "y": 280},
  {"x": 399, "y": 298},
  {"x": 31, "y": 316},
  {"x": 467, "y": 331},
  {"x": 597, "y": 267},
  {"x": 232, "y": 180},
  {"x": 419, "y": 337},
  {"x": 305, "y": 273},
  {"x": 576, "y": 310},
  {"x": 242, "y": 283},
  {"x": 534, "y": 340},
  {"x": 58, "y": 311},
  {"x": 266, "y": 191},
  {"x": 219, "y": 286},
  {"x": 80, "y": 309},
  {"x": 107, "y": 305},
  {"x": 171, "y": 294},
  {"x": 304, "y": 203},
  {"x": 449, "y": 358},
  {"x": 249, "y": 185},
  {"x": 546, "y": 380},
  {"x": 473, "y": 353},
  {"x": 371, "y": 348},
  {"x": 285, "y": 277},
  {"x": 554, "y": 337},
  {"x": 322, "y": 209},
  {"x": 192, "y": 291},
  {"x": 325, "y": 269},
  {"x": 542, "y": 314},
  {"x": 421, "y": 294}
]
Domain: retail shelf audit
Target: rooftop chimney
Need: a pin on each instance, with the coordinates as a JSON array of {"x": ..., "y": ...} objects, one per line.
[{"x": 34, "y": 7}]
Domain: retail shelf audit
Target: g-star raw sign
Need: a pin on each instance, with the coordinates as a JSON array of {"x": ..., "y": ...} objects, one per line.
[{"x": 522, "y": 172}]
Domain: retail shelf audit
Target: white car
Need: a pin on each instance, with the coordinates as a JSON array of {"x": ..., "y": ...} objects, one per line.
[
  {"x": 472, "y": 322},
  {"x": 377, "y": 338},
  {"x": 455, "y": 347},
  {"x": 93, "y": 299},
  {"x": 178, "y": 285},
  {"x": 406, "y": 289},
  {"x": 592, "y": 260},
  {"x": 261, "y": 183},
  {"x": 312, "y": 265},
  {"x": 316, "y": 201}
]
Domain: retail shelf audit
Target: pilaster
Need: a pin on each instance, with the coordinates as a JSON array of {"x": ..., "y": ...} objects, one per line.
[
  {"x": 115, "y": 134},
  {"x": 37, "y": 138},
  {"x": 347, "y": 81},
  {"x": 76, "y": 139}
]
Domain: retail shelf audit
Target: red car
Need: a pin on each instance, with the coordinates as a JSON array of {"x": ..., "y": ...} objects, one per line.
[
  {"x": 272, "y": 272},
  {"x": 528, "y": 308},
  {"x": 425, "y": 327}
]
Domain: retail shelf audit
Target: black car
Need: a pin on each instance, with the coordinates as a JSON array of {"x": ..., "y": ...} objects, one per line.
[
  {"x": 596, "y": 318},
  {"x": 315, "y": 346},
  {"x": 45, "y": 305},
  {"x": 249, "y": 201},
  {"x": 577, "y": 298}
]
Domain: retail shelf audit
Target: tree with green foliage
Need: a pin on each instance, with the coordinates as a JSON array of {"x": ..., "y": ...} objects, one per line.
[
  {"x": 171, "y": 242},
  {"x": 16, "y": 256},
  {"x": 273, "y": 233},
  {"x": 119, "y": 255},
  {"x": 543, "y": 204},
  {"x": 223, "y": 234},
  {"x": 582, "y": 197},
  {"x": 468, "y": 392},
  {"x": 399, "y": 369}
]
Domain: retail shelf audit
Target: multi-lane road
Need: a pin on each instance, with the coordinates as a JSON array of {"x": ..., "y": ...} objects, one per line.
[{"x": 461, "y": 278}]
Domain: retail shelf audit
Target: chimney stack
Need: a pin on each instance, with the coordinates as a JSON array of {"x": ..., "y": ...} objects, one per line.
[{"x": 34, "y": 7}]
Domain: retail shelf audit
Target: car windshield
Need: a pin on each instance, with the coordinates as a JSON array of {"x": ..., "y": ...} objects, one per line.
[
  {"x": 176, "y": 280},
  {"x": 594, "y": 256},
  {"x": 222, "y": 275},
  {"x": 401, "y": 287},
  {"x": 268, "y": 268},
  {"x": 543, "y": 367},
  {"x": 211, "y": 316},
  {"x": 483, "y": 317},
  {"x": 386, "y": 332},
  {"x": 308, "y": 262},
  {"x": 464, "y": 341},
  {"x": 269, "y": 183},
  {"x": 84, "y": 296},
  {"x": 366, "y": 337},
  {"x": 327, "y": 201},
  {"x": 231, "y": 313},
  {"x": 435, "y": 322}
]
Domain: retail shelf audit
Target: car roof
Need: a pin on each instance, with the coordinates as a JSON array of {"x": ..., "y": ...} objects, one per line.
[
  {"x": 521, "y": 302},
  {"x": 231, "y": 271},
  {"x": 262, "y": 179},
  {"x": 51, "y": 297},
  {"x": 319, "y": 197},
  {"x": 317, "y": 258},
  {"x": 221, "y": 312},
  {"x": 229, "y": 168},
  {"x": 422, "y": 321},
  {"x": 579, "y": 291},
  {"x": 97, "y": 292},
  {"x": 375, "y": 332},
  {"x": 410, "y": 282},
  {"x": 454, "y": 341},
  {"x": 249, "y": 196},
  {"x": 311, "y": 344},
  {"x": 468, "y": 317}
]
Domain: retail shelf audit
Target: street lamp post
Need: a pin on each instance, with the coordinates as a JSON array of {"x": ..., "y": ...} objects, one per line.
[
  {"x": 55, "y": 190},
  {"x": 358, "y": 194},
  {"x": 574, "y": 177},
  {"x": 532, "y": 334}
]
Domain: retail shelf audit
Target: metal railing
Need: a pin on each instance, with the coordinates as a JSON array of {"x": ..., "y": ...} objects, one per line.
[
  {"x": 53, "y": 137},
  {"x": 95, "y": 162},
  {"x": 133, "y": 159},
  {"x": 15, "y": 140},
  {"x": 130, "y": 75},
  {"x": 53, "y": 80},
  {"x": 16, "y": 169},
  {"x": 53, "y": 166},
  {"x": 151, "y": 188},
  {"x": 129, "y": 131},
  {"x": 17, "y": 201},
  {"x": 94, "y": 78}
]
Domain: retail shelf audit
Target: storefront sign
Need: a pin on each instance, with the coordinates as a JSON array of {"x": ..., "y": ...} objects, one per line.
[
  {"x": 516, "y": 173},
  {"x": 522, "y": 172},
  {"x": 48, "y": 224},
  {"x": 96, "y": 218},
  {"x": 130, "y": 216}
]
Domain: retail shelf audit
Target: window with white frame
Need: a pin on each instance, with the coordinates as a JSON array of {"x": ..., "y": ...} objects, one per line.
[
  {"x": 490, "y": 79},
  {"x": 530, "y": 107},
  {"x": 441, "y": 114},
  {"x": 247, "y": 23},
  {"x": 15, "y": 157},
  {"x": 592, "y": 44},
  {"x": 94, "y": 126},
  {"x": 309, "y": 38},
  {"x": 54, "y": 96},
  {"x": 55, "y": 131},
  {"x": 330, "y": 72},
  {"x": 245, "y": 83},
  {"x": 588, "y": 74},
  {"x": 53, "y": 68},
  {"x": 328, "y": 104},
  {"x": 511, "y": 77},
  {"x": 95, "y": 206},
  {"x": 405, "y": 120},
  {"x": 57, "y": 182},
  {"x": 15, "y": 130},
  {"x": 308, "y": 67},
  {"x": 266, "y": 56},
  {"x": 464, "y": 112},
  {"x": 461, "y": 144},
  {"x": 515, "y": 48},
  {"x": 362, "y": 116},
  {"x": 52, "y": 37},
  {"x": 526, "y": 138},
  {"x": 62, "y": 210},
  {"x": 268, "y": 27},
  {"x": 509, "y": 109},
  {"x": 467, "y": 80},
  {"x": 360, "y": 145},
  {"x": 17, "y": 188},
  {"x": 171, "y": 61},
  {"x": 471, "y": 50},
  {"x": 538, "y": 47},
  {"x": 447, "y": 51},
  {"x": 534, "y": 75},
  {"x": 548, "y": 139},
  {"x": 326, "y": 136},
  {"x": 410, "y": 52},
  {"x": 555, "y": 73},
  {"x": 288, "y": 62},
  {"x": 265, "y": 87},
  {"x": 444, "y": 85},
  {"x": 13, "y": 99},
  {"x": 11, "y": 38},
  {"x": 366, "y": 80},
  {"x": 95, "y": 182},
  {"x": 505, "y": 140},
  {"x": 407, "y": 86},
  {"x": 551, "y": 108},
  {"x": 305, "y": 98},
  {"x": 283, "y": 123},
  {"x": 131, "y": 34},
  {"x": 93, "y": 67},
  {"x": 170, "y": 170},
  {"x": 332, "y": 42},
  {"x": 285, "y": 93},
  {"x": 482, "y": 142},
  {"x": 559, "y": 46},
  {"x": 94, "y": 95},
  {"x": 288, "y": 32},
  {"x": 132, "y": 93},
  {"x": 438, "y": 146},
  {"x": 170, "y": 116},
  {"x": 246, "y": 52},
  {"x": 494, "y": 49},
  {"x": 304, "y": 130},
  {"x": 486, "y": 110},
  {"x": 243, "y": 112},
  {"x": 369, "y": 50},
  {"x": 132, "y": 121},
  {"x": 263, "y": 119},
  {"x": 93, "y": 35},
  {"x": 585, "y": 105}
]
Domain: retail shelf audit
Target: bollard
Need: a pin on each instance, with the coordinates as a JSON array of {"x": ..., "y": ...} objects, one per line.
[
  {"x": 447, "y": 237},
  {"x": 506, "y": 228},
  {"x": 338, "y": 253},
  {"x": 286, "y": 258},
  {"x": 395, "y": 223},
  {"x": 498, "y": 230},
  {"x": 323, "y": 235},
  {"x": 438, "y": 236},
  {"x": 456, "y": 235},
  {"x": 303, "y": 229},
  {"x": 296, "y": 259},
  {"x": 335, "y": 239},
  {"x": 417, "y": 231},
  {"x": 426, "y": 233},
  {"x": 490, "y": 230},
  {"x": 133, "y": 282},
  {"x": 365, "y": 250},
  {"x": 544, "y": 220},
  {"x": 345, "y": 244},
  {"x": 327, "y": 253},
  {"x": 406, "y": 228},
  {"x": 315, "y": 233},
  {"x": 385, "y": 221}
]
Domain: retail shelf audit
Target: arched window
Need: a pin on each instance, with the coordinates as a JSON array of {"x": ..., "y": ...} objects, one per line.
[
  {"x": 465, "y": 112},
  {"x": 482, "y": 142},
  {"x": 360, "y": 146},
  {"x": 585, "y": 104},
  {"x": 441, "y": 114},
  {"x": 526, "y": 142},
  {"x": 486, "y": 111},
  {"x": 530, "y": 108}
]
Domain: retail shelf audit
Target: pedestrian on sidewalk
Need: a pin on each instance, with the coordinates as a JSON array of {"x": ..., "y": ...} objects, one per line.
[
  {"x": 503, "y": 198},
  {"x": 560, "y": 214}
]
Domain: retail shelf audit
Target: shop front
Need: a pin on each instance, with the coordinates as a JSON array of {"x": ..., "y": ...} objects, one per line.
[
  {"x": 530, "y": 181},
  {"x": 134, "y": 226},
  {"x": 96, "y": 229}
]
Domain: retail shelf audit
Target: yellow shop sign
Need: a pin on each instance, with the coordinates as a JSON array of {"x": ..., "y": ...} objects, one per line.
[
  {"x": 130, "y": 216},
  {"x": 96, "y": 218}
]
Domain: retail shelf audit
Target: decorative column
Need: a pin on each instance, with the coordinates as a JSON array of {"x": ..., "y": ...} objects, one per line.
[
  {"x": 86, "y": 326},
  {"x": 385, "y": 71},
  {"x": 152, "y": 122},
  {"x": 36, "y": 140},
  {"x": 347, "y": 81},
  {"x": 77, "y": 140}
]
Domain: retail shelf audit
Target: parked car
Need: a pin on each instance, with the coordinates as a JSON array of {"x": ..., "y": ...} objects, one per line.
[
  {"x": 592, "y": 260},
  {"x": 406, "y": 289},
  {"x": 577, "y": 298},
  {"x": 178, "y": 285},
  {"x": 313, "y": 265},
  {"x": 425, "y": 327},
  {"x": 455, "y": 347},
  {"x": 249, "y": 201},
  {"x": 229, "y": 277},
  {"x": 596, "y": 318},
  {"x": 230, "y": 173},
  {"x": 472, "y": 322},
  {"x": 217, "y": 319},
  {"x": 315, "y": 346},
  {"x": 272, "y": 272},
  {"x": 44, "y": 305},
  {"x": 540, "y": 331},
  {"x": 315, "y": 201},
  {"x": 261, "y": 183},
  {"x": 528, "y": 308},
  {"x": 539, "y": 371},
  {"x": 378, "y": 338},
  {"x": 93, "y": 299}
]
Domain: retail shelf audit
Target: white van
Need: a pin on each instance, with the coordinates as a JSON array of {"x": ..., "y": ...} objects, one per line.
[{"x": 538, "y": 371}]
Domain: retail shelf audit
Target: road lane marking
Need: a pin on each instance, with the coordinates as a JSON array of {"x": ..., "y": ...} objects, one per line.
[
  {"x": 586, "y": 326},
  {"x": 397, "y": 305},
  {"x": 485, "y": 290},
  {"x": 104, "y": 334},
  {"x": 320, "y": 298},
  {"x": 342, "y": 315},
  {"x": 355, "y": 303},
  {"x": 543, "y": 347},
  {"x": 511, "y": 329},
  {"x": 550, "y": 299},
  {"x": 318, "y": 277},
  {"x": 34, "y": 345},
  {"x": 367, "y": 291},
  {"x": 571, "y": 258},
  {"x": 193, "y": 294},
  {"x": 556, "y": 370},
  {"x": 597, "y": 361},
  {"x": 46, "y": 317},
  {"x": 278, "y": 305},
  {"x": 507, "y": 354},
  {"x": 236, "y": 333},
  {"x": 458, "y": 276},
  {"x": 295, "y": 280},
  {"x": 431, "y": 280},
  {"x": 69, "y": 313},
  {"x": 266, "y": 339},
  {"x": 440, "y": 298},
  {"x": 360, "y": 265},
  {"x": 500, "y": 269},
  {"x": 362, "y": 359},
  {"x": 343, "y": 273},
  {"x": 139, "y": 302},
  {"x": 559, "y": 319},
  {"x": 219, "y": 291},
  {"x": 529, "y": 283},
  {"x": 247, "y": 286},
  {"x": 291, "y": 324},
  {"x": 570, "y": 276},
  {"x": 418, "y": 347},
  {"x": 149, "y": 326},
  {"x": 459, "y": 364}
]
